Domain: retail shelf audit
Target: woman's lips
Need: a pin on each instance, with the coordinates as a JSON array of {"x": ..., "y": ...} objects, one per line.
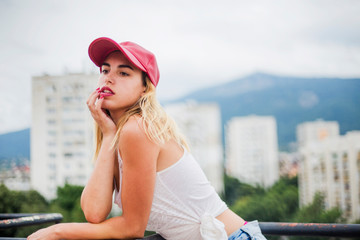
[{"x": 106, "y": 91}]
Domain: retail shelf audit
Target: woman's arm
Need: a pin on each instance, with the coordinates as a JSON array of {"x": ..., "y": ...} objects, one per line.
[
  {"x": 96, "y": 199},
  {"x": 139, "y": 156},
  {"x": 113, "y": 228}
]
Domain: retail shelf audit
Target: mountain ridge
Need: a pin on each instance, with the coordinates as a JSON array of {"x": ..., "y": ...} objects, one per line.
[
  {"x": 291, "y": 100},
  {"x": 15, "y": 144}
]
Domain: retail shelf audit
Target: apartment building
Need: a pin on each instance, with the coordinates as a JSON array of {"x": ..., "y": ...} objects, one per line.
[
  {"x": 316, "y": 131},
  {"x": 61, "y": 131},
  {"x": 252, "y": 150},
  {"x": 330, "y": 165},
  {"x": 201, "y": 125}
]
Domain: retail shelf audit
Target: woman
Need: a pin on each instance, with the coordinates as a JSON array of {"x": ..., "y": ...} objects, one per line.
[{"x": 143, "y": 158}]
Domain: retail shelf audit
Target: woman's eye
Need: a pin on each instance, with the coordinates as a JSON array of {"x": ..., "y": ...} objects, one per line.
[
  {"x": 124, "y": 74},
  {"x": 104, "y": 71}
]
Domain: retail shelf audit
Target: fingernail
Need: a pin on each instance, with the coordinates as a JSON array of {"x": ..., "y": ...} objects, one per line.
[
  {"x": 98, "y": 88},
  {"x": 101, "y": 97}
]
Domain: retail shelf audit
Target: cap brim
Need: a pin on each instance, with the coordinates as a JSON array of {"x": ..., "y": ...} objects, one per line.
[{"x": 100, "y": 48}]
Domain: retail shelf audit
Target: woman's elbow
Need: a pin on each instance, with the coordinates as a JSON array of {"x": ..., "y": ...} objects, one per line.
[
  {"x": 92, "y": 216},
  {"x": 94, "y": 219},
  {"x": 95, "y": 214}
]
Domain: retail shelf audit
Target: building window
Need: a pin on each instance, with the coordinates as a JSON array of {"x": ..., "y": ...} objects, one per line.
[
  {"x": 50, "y": 99},
  {"x": 336, "y": 172},
  {"x": 346, "y": 180},
  {"x": 67, "y": 99},
  {"x": 51, "y": 121},
  {"x": 68, "y": 155},
  {"x": 51, "y": 110},
  {"x": 52, "y": 133},
  {"x": 50, "y": 89}
]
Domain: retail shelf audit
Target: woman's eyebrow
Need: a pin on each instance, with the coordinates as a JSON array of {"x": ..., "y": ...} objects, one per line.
[
  {"x": 120, "y": 66},
  {"x": 125, "y": 66}
]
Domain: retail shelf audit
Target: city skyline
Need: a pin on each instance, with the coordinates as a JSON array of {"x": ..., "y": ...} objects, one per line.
[
  {"x": 61, "y": 146},
  {"x": 203, "y": 45}
]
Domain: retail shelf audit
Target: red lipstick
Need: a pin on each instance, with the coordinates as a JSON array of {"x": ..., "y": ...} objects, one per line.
[{"x": 106, "y": 91}]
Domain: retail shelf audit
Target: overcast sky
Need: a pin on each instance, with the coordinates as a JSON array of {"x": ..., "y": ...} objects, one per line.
[{"x": 197, "y": 43}]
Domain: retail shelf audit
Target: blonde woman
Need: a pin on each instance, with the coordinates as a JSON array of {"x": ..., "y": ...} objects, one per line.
[{"x": 141, "y": 156}]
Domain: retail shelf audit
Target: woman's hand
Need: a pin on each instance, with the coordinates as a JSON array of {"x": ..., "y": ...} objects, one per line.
[
  {"x": 105, "y": 122},
  {"x": 45, "y": 233}
]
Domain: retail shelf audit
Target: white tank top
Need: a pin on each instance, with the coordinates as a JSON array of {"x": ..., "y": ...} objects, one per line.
[{"x": 185, "y": 204}]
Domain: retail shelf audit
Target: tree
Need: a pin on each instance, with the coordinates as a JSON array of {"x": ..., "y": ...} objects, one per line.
[
  {"x": 68, "y": 203},
  {"x": 315, "y": 213},
  {"x": 277, "y": 204},
  {"x": 21, "y": 202},
  {"x": 235, "y": 190}
]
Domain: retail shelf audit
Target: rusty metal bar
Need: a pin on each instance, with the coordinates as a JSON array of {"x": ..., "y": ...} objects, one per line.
[
  {"x": 20, "y": 220},
  {"x": 310, "y": 229},
  {"x": 301, "y": 229},
  {"x": 282, "y": 229},
  {"x": 15, "y": 215}
]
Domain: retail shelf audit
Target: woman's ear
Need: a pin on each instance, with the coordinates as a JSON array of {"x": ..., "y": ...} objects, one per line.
[{"x": 143, "y": 92}]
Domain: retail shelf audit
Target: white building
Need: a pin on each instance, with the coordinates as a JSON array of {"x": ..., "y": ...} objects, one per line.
[
  {"x": 252, "y": 150},
  {"x": 316, "y": 131},
  {"x": 61, "y": 131},
  {"x": 201, "y": 125},
  {"x": 332, "y": 166}
]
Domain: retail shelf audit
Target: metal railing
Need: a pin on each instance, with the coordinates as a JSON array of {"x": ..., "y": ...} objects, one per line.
[
  {"x": 310, "y": 229},
  {"x": 22, "y": 219},
  {"x": 267, "y": 228},
  {"x": 301, "y": 229}
]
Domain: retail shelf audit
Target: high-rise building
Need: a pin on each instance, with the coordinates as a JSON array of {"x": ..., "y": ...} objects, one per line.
[
  {"x": 201, "y": 125},
  {"x": 61, "y": 131},
  {"x": 331, "y": 166},
  {"x": 252, "y": 150},
  {"x": 316, "y": 131}
]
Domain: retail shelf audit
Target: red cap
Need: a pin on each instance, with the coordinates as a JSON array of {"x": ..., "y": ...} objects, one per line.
[{"x": 100, "y": 48}]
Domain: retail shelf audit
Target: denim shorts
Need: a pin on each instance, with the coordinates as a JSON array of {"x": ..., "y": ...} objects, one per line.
[{"x": 251, "y": 230}]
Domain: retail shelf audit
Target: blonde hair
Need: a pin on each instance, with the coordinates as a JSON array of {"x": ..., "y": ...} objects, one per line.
[{"x": 159, "y": 127}]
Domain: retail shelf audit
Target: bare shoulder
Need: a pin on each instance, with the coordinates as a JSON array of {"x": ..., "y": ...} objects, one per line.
[
  {"x": 133, "y": 139},
  {"x": 133, "y": 127}
]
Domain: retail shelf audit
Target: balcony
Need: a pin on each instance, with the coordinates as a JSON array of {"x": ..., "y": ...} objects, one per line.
[{"x": 267, "y": 228}]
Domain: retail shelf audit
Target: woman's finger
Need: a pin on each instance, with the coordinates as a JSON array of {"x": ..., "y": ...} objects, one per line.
[
  {"x": 96, "y": 108},
  {"x": 92, "y": 99},
  {"x": 99, "y": 103},
  {"x": 94, "y": 92}
]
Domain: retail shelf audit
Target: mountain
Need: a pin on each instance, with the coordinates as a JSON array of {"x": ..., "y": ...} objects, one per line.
[
  {"x": 291, "y": 100},
  {"x": 15, "y": 144}
]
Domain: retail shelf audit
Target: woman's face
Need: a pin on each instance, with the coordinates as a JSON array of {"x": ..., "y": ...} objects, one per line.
[{"x": 120, "y": 83}]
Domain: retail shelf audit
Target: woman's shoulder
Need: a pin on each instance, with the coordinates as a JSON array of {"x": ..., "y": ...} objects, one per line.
[
  {"x": 133, "y": 140},
  {"x": 133, "y": 132},
  {"x": 133, "y": 127}
]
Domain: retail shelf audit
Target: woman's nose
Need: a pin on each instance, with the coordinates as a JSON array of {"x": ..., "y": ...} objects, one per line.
[{"x": 108, "y": 78}]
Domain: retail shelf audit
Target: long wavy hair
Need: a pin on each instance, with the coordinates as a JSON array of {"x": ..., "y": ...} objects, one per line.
[{"x": 159, "y": 127}]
